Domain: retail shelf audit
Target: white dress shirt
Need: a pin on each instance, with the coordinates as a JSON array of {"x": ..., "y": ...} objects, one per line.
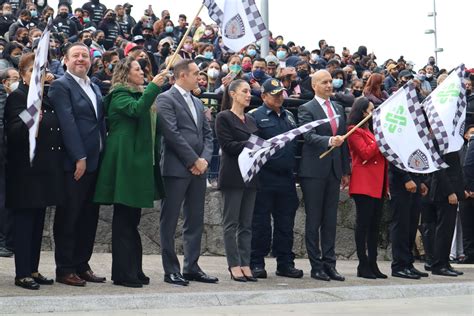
[
  {"x": 85, "y": 84},
  {"x": 321, "y": 102},
  {"x": 187, "y": 97}
]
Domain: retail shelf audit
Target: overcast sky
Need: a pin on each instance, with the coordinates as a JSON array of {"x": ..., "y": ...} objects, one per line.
[{"x": 389, "y": 28}]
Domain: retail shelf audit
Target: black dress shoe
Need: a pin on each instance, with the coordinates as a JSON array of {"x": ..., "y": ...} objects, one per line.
[
  {"x": 405, "y": 274},
  {"x": 375, "y": 269},
  {"x": 200, "y": 277},
  {"x": 144, "y": 279},
  {"x": 450, "y": 268},
  {"x": 176, "y": 279},
  {"x": 320, "y": 275},
  {"x": 427, "y": 267},
  {"x": 418, "y": 272},
  {"x": 259, "y": 273},
  {"x": 289, "y": 272},
  {"x": 250, "y": 278},
  {"x": 134, "y": 284},
  {"x": 364, "y": 271},
  {"x": 333, "y": 274},
  {"x": 40, "y": 279},
  {"x": 27, "y": 283},
  {"x": 444, "y": 272}
]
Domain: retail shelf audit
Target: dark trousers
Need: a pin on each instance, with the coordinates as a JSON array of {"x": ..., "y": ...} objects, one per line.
[
  {"x": 237, "y": 223},
  {"x": 446, "y": 221},
  {"x": 281, "y": 204},
  {"x": 75, "y": 225},
  {"x": 127, "y": 248},
  {"x": 321, "y": 198},
  {"x": 6, "y": 216},
  {"x": 406, "y": 214},
  {"x": 28, "y": 228},
  {"x": 192, "y": 191},
  {"x": 368, "y": 216},
  {"x": 428, "y": 228},
  {"x": 466, "y": 209}
]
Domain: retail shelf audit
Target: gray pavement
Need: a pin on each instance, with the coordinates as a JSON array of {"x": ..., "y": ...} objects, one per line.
[{"x": 159, "y": 295}]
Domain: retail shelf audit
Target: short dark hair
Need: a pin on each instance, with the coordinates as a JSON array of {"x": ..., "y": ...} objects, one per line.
[
  {"x": 182, "y": 16},
  {"x": 182, "y": 67},
  {"x": 108, "y": 55},
  {"x": 261, "y": 60},
  {"x": 75, "y": 44},
  {"x": 25, "y": 12}
]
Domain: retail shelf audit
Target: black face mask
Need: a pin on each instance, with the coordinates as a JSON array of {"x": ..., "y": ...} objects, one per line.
[
  {"x": 294, "y": 83},
  {"x": 88, "y": 41},
  {"x": 468, "y": 91},
  {"x": 357, "y": 93},
  {"x": 101, "y": 41},
  {"x": 25, "y": 40},
  {"x": 147, "y": 36},
  {"x": 303, "y": 74},
  {"x": 24, "y": 22},
  {"x": 63, "y": 15},
  {"x": 142, "y": 62},
  {"x": 165, "y": 51}
]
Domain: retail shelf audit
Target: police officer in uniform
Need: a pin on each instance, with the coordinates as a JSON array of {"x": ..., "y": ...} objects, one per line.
[
  {"x": 111, "y": 29},
  {"x": 63, "y": 23},
  {"x": 276, "y": 196},
  {"x": 96, "y": 10}
]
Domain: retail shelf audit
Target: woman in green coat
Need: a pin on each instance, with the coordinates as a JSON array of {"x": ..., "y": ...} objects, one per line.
[{"x": 129, "y": 176}]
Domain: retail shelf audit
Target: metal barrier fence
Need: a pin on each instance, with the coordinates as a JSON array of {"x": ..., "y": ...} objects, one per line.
[{"x": 289, "y": 104}]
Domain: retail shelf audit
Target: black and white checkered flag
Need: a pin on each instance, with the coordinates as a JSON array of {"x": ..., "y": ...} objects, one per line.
[
  {"x": 240, "y": 22},
  {"x": 402, "y": 133},
  {"x": 30, "y": 116},
  {"x": 257, "y": 151},
  {"x": 446, "y": 110}
]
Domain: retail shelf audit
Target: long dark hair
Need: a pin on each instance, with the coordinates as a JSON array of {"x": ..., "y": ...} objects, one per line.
[
  {"x": 359, "y": 108},
  {"x": 226, "y": 99}
]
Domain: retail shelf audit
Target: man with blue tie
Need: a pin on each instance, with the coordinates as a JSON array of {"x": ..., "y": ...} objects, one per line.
[
  {"x": 78, "y": 104},
  {"x": 321, "y": 178}
]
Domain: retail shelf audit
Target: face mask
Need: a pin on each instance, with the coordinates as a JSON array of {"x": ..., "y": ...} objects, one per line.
[
  {"x": 281, "y": 54},
  {"x": 337, "y": 83},
  {"x": 168, "y": 29},
  {"x": 429, "y": 75},
  {"x": 111, "y": 67},
  {"x": 88, "y": 41},
  {"x": 24, "y": 22},
  {"x": 394, "y": 74},
  {"x": 147, "y": 36},
  {"x": 188, "y": 47},
  {"x": 15, "y": 60},
  {"x": 258, "y": 74},
  {"x": 35, "y": 38},
  {"x": 293, "y": 84},
  {"x": 303, "y": 74},
  {"x": 422, "y": 77},
  {"x": 357, "y": 93},
  {"x": 34, "y": 13},
  {"x": 212, "y": 73},
  {"x": 251, "y": 52},
  {"x": 208, "y": 55},
  {"x": 314, "y": 57},
  {"x": 86, "y": 20},
  {"x": 468, "y": 91},
  {"x": 207, "y": 32},
  {"x": 165, "y": 51},
  {"x": 247, "y": 67},
  {"x": 63, "y": 14},
  {"x": 432, "y": 62},
  {"x": 365, "y": 79},
  {"x": 235, "y": 68},
  {"x": 101, "y": 41},
  {"x": 14, "y": 85}
]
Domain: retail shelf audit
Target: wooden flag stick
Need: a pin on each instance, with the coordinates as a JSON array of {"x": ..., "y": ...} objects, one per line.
[
  {"x": 324, "y": 154},
  {"x": 170, "y": 62}
]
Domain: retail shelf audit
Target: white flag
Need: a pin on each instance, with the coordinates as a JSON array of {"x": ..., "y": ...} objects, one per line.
[
  {"x": 239, "y": 20},
  {"x": 402, "y": 134},
  {"x": 446, "y": 111},
  {"x": 35, "y": 92}
]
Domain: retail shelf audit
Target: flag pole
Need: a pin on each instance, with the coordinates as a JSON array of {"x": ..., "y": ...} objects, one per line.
[
  {"x": 43, "y": 78},
  {"x": 170, "y": 62},
  {"x": 324, "y": 154}
]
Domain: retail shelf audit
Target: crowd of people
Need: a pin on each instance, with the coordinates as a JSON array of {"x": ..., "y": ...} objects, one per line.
[{"x": 117, "y": 126}]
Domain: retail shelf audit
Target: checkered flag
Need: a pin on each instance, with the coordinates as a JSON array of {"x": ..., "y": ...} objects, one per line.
[
  {"x": 446, "y": 111},
  {"x": 401, "y": 118},
  {"x": 257, "y": 151},
  {"x": 240, "y": 22},
  {"x": 30, "y": 116}
]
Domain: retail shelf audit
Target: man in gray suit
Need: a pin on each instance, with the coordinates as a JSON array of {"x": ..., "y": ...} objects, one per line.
[
  {"x": 187, "y": 151},
  {"x": 321, "y": 178}
]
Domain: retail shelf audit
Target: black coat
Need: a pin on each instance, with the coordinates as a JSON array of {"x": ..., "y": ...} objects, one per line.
[
  {"x": 42, "y": 183},
  {"x": 232, "y": 135},
  {"x": 447, "y": 181}
]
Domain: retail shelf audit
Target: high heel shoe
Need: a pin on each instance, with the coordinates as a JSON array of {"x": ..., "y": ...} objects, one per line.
[
  {"x": 250, "y": 278},
  {"x": 238, "y": 279},
  {"x": 363, "y": 271}
]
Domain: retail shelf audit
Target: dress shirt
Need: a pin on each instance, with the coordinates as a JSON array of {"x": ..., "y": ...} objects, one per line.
[
  {"x": 321, "y": 102},
  {"x": 187, "y": 97},
  {"x": 85, "y": 84}
]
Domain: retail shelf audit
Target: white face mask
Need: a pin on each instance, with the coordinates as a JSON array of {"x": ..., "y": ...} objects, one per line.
[
  {"x": 212, "y": 73},
  {"x": 225, "y": 68},
  {"x": 14, "y": 85},
  {"x": 314, "y": 57}
]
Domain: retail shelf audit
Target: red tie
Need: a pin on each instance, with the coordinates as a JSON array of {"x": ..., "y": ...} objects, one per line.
[{"x": 331, "y": 115}]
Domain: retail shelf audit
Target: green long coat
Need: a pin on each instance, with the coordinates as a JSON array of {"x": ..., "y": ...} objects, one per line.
[{"x": 130, "y": 172}]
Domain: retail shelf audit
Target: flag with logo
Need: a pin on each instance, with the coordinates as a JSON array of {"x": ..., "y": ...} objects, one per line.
[
  {"x": 257, "y": 151},
  {"x": 402, "y": 133},
  {"x": 239, "y": 20},
  {"x": 446, "y": 110},
  {"x": 30, "y": 116}
]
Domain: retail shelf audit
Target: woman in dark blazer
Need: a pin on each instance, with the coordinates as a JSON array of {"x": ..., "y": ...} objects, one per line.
[
  {"x": 233, "y": 129},
  {"x": 30, "y": 188},
  {"x": 368, "y": 187}
]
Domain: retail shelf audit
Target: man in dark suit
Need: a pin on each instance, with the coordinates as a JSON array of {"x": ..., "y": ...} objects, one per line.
[
  {"x": 78, "y": 104},
  {"x": 187, "y": 151},
  {"x": 321, "y": 178}
]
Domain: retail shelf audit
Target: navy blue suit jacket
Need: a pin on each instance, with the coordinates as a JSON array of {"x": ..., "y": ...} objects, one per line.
[{"x": 82, "y": 130}]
